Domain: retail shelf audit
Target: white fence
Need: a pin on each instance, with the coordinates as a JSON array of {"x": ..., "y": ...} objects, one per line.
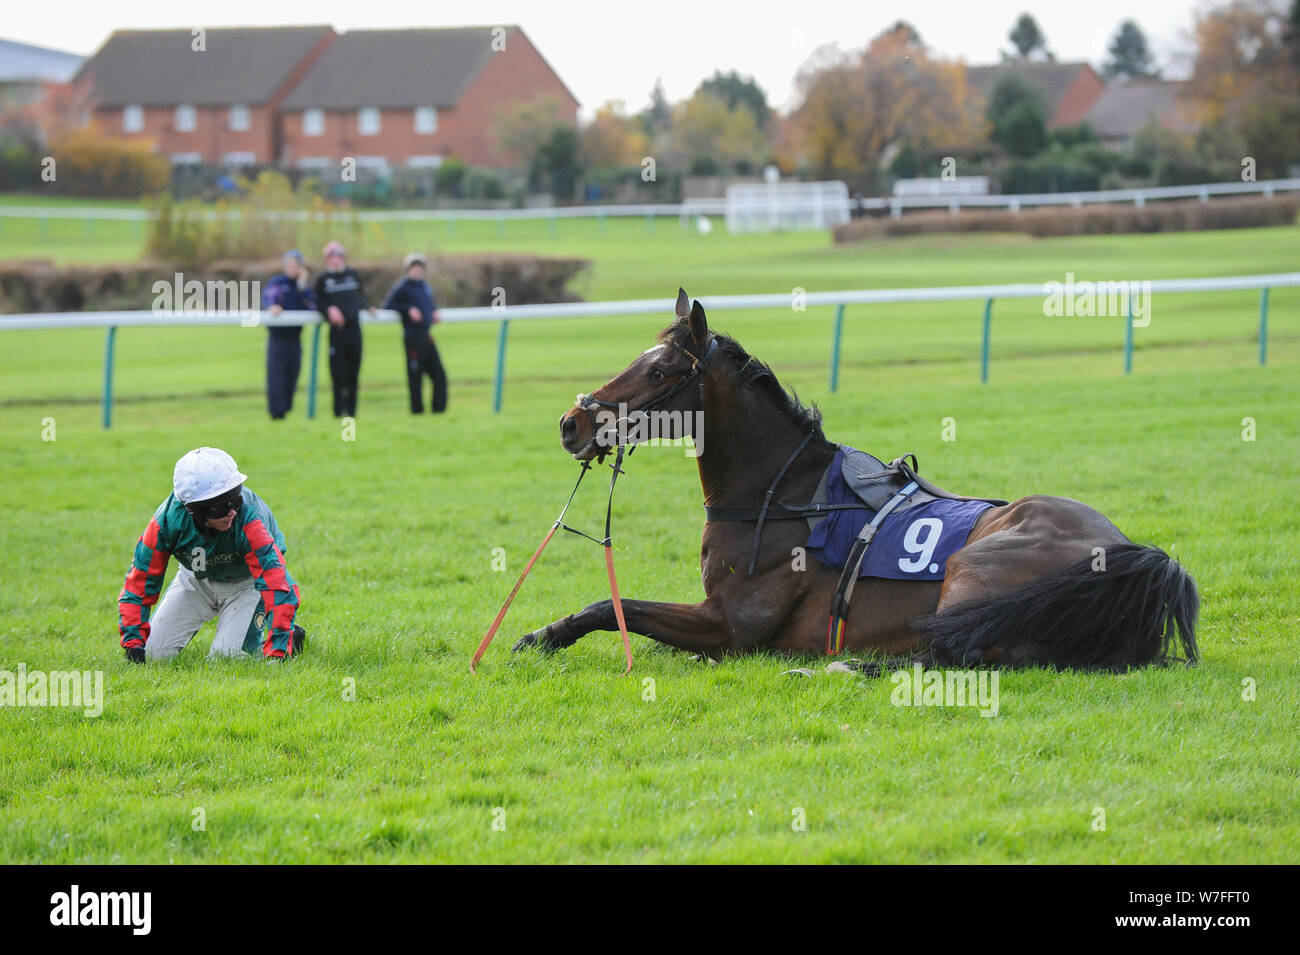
[
  {"x": 895, "y": 205},
  {"x": 507, "y": 313}
]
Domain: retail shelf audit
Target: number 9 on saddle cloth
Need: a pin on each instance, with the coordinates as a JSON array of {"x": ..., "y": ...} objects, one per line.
[{"x": 913, "y": 542}]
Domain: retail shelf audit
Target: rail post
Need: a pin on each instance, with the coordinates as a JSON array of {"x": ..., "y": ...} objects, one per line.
[
  {"x": 835, "y": 347},
  {"x": 498, "y": 384},
  {"x": 311, "y": 377},
  {"x": 1128, "y": 338},
  {"x": 1263, "y": 326},
  {"x": 984, "y": 351},
  {"x": 107, "y": 400}
]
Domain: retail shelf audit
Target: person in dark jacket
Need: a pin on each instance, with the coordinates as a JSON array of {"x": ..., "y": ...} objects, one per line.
[
  {"x": 340, "y": 298},
  {"x": 412, "y": 299},
  {"x": 288, "y": 291}
]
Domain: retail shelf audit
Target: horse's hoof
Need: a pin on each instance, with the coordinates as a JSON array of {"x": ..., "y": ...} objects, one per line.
[
  {"x": 800, "y": 671},
  {"x": 529, "y": 640},
  {"x": 839, "y": 666}
]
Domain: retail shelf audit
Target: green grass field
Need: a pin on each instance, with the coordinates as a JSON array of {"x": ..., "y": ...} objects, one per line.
[{"x": 391, "y": 539}]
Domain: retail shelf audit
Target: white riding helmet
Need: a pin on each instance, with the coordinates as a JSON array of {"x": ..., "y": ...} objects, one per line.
[{"x": 203, "y": 474}]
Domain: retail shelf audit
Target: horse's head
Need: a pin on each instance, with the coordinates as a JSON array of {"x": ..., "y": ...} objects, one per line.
[{"x": 652, "y": 397}]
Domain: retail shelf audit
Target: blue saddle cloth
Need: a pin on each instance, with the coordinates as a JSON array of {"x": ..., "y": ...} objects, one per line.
[{"x": 911, "y": 544}]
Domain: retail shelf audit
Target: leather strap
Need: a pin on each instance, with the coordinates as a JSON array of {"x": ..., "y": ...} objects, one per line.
[{"x": 849, "y": 576}]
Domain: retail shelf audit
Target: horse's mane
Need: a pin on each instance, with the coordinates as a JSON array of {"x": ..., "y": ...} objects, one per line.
[{"x": 753, "y": 374}]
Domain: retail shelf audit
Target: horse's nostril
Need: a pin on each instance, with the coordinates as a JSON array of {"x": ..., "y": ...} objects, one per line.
[{"x": 568, "y": 426}]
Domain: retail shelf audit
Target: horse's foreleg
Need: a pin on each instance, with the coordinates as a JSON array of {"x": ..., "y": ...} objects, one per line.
[{"x": 698, "y": 628}]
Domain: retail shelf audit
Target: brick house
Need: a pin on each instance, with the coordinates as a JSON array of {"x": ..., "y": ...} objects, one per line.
[
  {"x": 393, "y": 98},
  {"x": 30, "y": 75},
  {"x": 217, "y": 104},
  {"x": 1125, "y": 108},
  {"x": 1068, "y": 90}
]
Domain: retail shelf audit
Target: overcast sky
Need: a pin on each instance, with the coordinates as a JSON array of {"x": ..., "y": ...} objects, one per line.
[{"x": 615, "y": 49}]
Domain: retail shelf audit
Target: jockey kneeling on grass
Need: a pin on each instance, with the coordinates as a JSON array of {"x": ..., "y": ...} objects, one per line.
[{"x": 231, "y": 554}]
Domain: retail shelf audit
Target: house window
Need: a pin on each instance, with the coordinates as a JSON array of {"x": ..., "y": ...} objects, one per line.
[
  {"x": 239, "y": 159},
  {"x": 368, "y": 121},
  {"x": 426, "y": 120},
  {"x": 313, "y": 122},
  {"x": 186, "y": 159},
  {"x": 185, "y": 121},
  {"x": 238, "y": 120},
  {"x": 132, "y": 119}
]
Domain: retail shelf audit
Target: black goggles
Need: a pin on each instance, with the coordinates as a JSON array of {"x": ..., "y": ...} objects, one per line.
[{"x": 218, "y": 507}]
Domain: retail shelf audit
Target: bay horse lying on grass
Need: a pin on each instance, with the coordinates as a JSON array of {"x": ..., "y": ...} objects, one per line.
[{"x": 1024, "y": 587}]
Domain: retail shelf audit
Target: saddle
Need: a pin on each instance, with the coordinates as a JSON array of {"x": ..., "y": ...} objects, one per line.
[{"x": 874, "y": 483}]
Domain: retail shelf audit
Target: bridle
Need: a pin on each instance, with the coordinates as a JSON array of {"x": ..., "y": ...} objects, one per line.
[{"x": 589, "y": 403}]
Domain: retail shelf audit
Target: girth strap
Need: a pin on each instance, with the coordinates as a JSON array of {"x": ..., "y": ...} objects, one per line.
[{"x": 849, "y": 577}]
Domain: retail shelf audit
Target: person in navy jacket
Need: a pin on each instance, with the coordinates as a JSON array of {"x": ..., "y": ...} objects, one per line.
[
  {"x": 412, "y": 299},
  {"x": 289, "y": 291}
]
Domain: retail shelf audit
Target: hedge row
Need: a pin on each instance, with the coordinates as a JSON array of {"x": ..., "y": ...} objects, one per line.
[
  {"x": 37, "y": 286},
  {"x": 1164, "y": 216}
]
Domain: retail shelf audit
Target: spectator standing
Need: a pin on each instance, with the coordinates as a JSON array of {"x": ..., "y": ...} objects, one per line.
[
  {"x": 412, "y": 299},
  {"x": 288, "y": 291},
  {"x": 340, "y": 298}
]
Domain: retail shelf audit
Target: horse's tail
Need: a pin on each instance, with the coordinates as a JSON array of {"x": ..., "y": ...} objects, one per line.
[{"x": 1129, "y": 614}]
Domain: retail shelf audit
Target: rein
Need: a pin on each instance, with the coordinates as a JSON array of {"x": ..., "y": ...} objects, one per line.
[
  {"x": 607, "y": 543},
  {"x": 586, "y": 402}
]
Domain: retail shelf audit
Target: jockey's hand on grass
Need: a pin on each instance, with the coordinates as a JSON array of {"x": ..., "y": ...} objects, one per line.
[{"x": 135, "y": 654}]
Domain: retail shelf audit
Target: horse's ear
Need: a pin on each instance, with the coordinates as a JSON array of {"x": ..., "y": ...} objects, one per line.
[
  {"x": 683, "y": 305},
  {"x": 699, "y": 326}
]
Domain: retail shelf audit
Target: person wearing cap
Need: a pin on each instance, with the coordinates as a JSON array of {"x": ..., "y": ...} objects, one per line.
[
  {"x": 412, "y": 299},
  {"x": 340, "y": 298},
  {"x": 231, "y": 556},
  {"x": 288, "y": 291}
]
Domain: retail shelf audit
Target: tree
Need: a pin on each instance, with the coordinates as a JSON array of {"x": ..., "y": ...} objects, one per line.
[
  {"x": 556, "y": 166},
  {"x": 1028, "y": 38},
  {"x": 658, "y": 116},
  {"x": 705, "y": 130},
  {"x": 521, "y": 126},
  {"x": 1130, "y": 56},
  {"x": 1293, "y": 33},
  {"x": 855, "y": 105},
  {"x": 1245, "y": 84},
  {"x": 613, "y": 140},
  {"x": 736, "y": 90},
  {"x": 1017, "y": 117}
]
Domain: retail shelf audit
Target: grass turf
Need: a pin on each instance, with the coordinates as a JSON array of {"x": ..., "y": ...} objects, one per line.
[{"x": 391, "y": 538}]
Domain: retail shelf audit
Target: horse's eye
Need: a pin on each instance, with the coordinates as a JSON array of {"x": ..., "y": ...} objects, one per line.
[{"x": 656, "y": 374}]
